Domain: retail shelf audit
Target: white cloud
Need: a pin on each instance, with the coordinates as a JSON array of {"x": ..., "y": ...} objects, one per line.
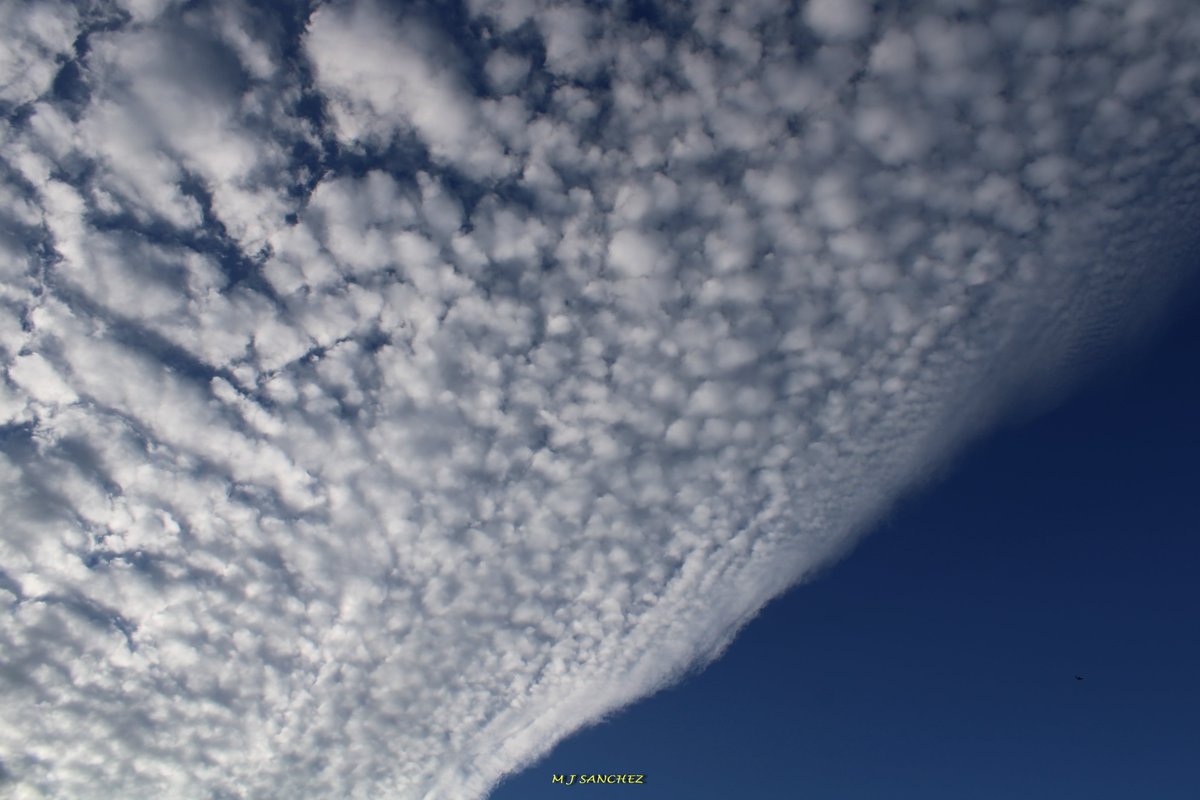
[
  {"x": 570, "y": 34},
  {"x": 40, "y": 380},
  {"x": 365, "y": 436},
  {"x": 507, "y": 70},
  {"x": 383, "y": 76},
  {"x": 838, "y": 19},
  {"x": 37, "y": 34},
  {"x": 634, "y": 255}
]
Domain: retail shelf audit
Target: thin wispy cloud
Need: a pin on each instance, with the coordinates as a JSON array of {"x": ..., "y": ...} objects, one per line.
[{"x": 390, "y": 390}]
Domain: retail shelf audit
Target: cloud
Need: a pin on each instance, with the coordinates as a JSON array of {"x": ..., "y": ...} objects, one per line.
[
  {"x": 382, "y": 76},
  {"x": 838, "y": 20},
  {"x": 385, "y": 397}
]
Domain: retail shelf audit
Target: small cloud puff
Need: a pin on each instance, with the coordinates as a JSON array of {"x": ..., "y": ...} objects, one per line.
[{"x": 838, "y": 20}]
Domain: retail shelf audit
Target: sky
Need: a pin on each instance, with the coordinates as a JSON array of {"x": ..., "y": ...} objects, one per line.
[
  {"x": 939, "y": 658},
  {"x": 390, "y": 390}
]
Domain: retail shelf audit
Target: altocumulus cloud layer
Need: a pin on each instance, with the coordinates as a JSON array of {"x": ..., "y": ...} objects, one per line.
[{"x": 390, "y": 390}]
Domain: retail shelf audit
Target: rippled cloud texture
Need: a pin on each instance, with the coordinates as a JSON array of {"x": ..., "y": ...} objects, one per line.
[{"x": 387, "y": 391}]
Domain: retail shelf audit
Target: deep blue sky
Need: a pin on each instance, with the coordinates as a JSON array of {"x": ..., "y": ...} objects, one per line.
[{"x": 938, "y": 660}]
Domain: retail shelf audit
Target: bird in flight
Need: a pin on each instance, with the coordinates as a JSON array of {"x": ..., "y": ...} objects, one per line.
[{"x": 1078, "y": 677}]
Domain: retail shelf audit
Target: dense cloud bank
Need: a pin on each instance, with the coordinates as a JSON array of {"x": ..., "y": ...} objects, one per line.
[{"x": 386, "y": 391}]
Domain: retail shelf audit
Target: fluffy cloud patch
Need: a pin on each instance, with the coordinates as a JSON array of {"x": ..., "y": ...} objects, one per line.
[
  {"x": 384, "y": 397},
  {"x": 838, "y": 20},
  {"x": 383, "y": 76}
]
